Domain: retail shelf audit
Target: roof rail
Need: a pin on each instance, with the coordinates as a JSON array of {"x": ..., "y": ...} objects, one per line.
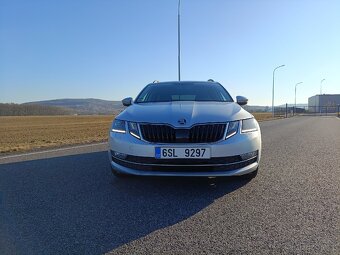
[
  {"x": 155, "y": 81},
  {"x": 211, "y": 80}
]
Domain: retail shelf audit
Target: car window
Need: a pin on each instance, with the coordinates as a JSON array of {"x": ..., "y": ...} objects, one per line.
[{"x": 183, "y": 92}]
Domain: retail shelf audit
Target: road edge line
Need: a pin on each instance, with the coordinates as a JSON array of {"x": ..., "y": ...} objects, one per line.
[{"x": 52, "y": 150}]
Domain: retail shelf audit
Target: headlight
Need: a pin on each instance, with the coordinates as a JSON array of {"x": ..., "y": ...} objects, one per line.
[
  {"x": 232, "y": 129},
  {"x": 249, "y": 125},
  {"x": 133, "y": 129},
  {"x": 118, "y": 126}
]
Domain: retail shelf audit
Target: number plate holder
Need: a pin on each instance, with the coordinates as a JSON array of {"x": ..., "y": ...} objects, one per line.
[{"x": 182, "y": 153}]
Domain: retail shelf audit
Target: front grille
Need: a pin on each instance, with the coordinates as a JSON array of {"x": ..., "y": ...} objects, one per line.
[
  {"x": 205, "y": 133},
  {"x": 158, "y": 133},
  {"x": 183, "y": 161}
]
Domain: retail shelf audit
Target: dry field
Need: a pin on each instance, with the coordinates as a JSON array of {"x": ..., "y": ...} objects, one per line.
[
  {"x": 26, "y": 133},
  {"x": 34, "y": 132},
  {"x": 261, "y": 116}
]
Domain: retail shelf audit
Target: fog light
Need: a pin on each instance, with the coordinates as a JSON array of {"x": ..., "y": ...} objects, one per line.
[
  {"x": 249, "y": 155},
  {"x": 118, "y": 155}
]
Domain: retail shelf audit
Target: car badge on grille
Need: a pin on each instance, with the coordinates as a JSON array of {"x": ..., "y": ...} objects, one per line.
[{"x": 182, "y": 121}]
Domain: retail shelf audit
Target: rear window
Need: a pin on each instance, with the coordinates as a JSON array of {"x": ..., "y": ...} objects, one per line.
[{"x": 167, "y": 92}]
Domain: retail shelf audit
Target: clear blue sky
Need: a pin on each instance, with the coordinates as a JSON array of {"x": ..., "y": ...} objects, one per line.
[{"x": 112, "y": 49}]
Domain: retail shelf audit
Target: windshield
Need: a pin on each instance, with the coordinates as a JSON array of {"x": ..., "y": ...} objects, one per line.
[{"x": 196, "y": 91}]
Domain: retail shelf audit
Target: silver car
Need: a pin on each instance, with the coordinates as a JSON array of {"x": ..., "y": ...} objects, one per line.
[{"x": 185, "y": 129}]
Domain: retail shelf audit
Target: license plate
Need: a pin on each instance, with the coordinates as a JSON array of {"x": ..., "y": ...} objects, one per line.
[{"x": 173, "y": 153}]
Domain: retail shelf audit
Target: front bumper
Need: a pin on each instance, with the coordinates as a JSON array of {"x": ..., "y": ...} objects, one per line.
[
  {"x": 227, "y": 166},
  {"x": 225, "y": 157}
]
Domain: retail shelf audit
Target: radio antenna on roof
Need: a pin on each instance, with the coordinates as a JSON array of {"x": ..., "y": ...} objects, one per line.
[{"x": 179, "y": 40}]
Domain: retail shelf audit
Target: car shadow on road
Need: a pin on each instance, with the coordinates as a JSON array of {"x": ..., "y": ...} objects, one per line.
[{"x": 73, "y": 204}]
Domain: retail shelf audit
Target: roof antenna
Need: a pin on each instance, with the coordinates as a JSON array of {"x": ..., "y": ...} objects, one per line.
[{"x": 179, "y": 41}]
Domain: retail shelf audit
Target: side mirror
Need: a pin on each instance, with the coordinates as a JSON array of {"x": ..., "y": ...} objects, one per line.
[
  {"x": 241, "y": 100},
  {"x": 127, "y": 101}
]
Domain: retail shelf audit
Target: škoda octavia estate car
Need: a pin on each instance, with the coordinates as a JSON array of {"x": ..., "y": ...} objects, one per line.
[{"x": 185, "y": 129}]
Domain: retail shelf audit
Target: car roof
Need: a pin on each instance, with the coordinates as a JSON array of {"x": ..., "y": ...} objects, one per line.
[{"x": 184, "y": 82}]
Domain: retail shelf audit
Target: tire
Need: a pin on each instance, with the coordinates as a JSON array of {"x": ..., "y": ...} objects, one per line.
[{"x": 251, "y": 175}]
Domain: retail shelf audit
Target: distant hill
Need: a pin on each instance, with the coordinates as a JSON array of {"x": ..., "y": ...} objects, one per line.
[
  {"x": 84, "y": 106},
  {"x": 98, "y": 106},
  {"x": 93, "y": 106},
  {"x": 32, "y": 110}
]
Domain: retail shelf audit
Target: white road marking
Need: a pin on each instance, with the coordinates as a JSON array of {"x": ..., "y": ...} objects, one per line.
[{"x": 54, "y": 150}]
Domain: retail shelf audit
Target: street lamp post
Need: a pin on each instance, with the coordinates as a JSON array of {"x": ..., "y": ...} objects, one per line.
[
  {"x": 295, "y": 95},
  {"x": 273, "y": 87},
  {"x": 321, "y": 85},
  {"x": 320, "y": 94}
]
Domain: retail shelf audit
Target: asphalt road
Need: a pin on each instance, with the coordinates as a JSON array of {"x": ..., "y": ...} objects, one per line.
[{"x": 67, "y": 202}]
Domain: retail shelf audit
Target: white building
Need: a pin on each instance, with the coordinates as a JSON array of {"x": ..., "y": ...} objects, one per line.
[{"x": 325, "y": 102}]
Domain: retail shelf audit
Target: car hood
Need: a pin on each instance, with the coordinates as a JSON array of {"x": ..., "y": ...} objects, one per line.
[{"x": 192, "y": 112}]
